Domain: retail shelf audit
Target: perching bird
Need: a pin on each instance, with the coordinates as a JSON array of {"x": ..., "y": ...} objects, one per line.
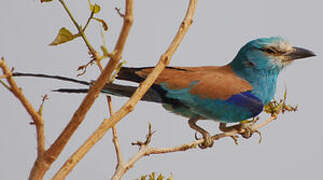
[{"x": 230, "y": 93}]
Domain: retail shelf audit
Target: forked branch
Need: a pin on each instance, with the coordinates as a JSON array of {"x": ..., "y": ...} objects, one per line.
[
  {"x": 36, "y": 116},
  {"x": 42, "y": 164}
]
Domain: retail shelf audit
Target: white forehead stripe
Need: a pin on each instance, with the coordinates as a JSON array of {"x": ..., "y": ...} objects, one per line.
[{"x": 283, "y": 45}]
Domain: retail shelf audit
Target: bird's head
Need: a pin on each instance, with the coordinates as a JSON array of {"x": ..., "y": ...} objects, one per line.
[{"x": 268, "y": 54}]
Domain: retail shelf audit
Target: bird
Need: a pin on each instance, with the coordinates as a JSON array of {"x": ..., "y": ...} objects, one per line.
[{"x": 230, "y": 93}]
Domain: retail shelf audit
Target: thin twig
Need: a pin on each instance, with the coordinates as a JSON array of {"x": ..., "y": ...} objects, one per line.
[
  {"x": 119, "y": 12},
  {"x": 41, "y": 132},
  {"x": 143, "y": 148},
  {"x": 89, "y": 20},
  {"x": 148, "y": 138},
  {"x": 79, "y": 28},
  {"x": 5, "y": 85},
  {"x": 115, "y": 138},
  {"x": 95, "y": 55}
]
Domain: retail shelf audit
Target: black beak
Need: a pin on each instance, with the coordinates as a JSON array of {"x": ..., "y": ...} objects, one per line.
[{"x": 299, "y": 53}]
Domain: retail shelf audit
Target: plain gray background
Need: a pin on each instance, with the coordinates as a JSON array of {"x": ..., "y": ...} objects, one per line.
[{"x": 292, "y": 146}]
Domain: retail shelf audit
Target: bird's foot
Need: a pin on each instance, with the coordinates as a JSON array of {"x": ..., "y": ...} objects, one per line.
[
  {"x": 245, "y": 129},
  {"x": 208, "y": 141}
]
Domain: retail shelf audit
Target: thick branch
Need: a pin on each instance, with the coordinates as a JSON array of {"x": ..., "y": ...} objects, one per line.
[
  {"x": 79, "y": 115},
  {"x": 128, "y": 107}
]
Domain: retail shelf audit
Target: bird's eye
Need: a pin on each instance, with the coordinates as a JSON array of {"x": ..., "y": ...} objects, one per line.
[
  {"x": 269, "y": 50},
  {"x": 250, "y": 64}
]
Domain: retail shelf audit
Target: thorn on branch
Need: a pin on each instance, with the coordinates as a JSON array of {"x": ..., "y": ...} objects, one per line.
[
  {"x": 148, "y": 138},
  {"x": 119, "y": 12}
]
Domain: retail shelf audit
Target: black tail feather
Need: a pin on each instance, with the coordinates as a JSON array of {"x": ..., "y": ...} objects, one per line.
[
  {"x": 51, "y": 77},
  {"x": 66, "y": 90},
  {"x": 118, "y": 90},
  {"x": 129, "y": 74},
  {"x": 113, "y": 89}
]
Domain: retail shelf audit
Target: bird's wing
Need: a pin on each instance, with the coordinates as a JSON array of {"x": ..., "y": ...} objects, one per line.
[{"x": 207, "y": 82}]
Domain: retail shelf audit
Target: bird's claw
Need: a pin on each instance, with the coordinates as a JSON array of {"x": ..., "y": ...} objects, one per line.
[
  {"x": 235, "y": 139},
  {"x": 245, "y": 129},
  {"x": 208, "y": 141}
]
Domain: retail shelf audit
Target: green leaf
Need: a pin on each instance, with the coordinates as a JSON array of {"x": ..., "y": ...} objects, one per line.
[
  {"x": 41, "y": 1},
  {"x": 160, "y": 177},
  {"x": 152, "y": 176},
  {"x": 105, "y": 51},
  {"x": 94, "y": 8},
  {"x": 103, "y": 23},
  {"x": 64, "y": 35}
]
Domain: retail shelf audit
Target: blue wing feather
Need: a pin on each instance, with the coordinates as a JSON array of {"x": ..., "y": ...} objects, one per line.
[{"x": 247, "y": 100}]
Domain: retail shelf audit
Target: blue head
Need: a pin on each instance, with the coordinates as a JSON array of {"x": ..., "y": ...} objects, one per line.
[
  {"x": 267, "y": 54},
  {"x": 260, "y": 61}
]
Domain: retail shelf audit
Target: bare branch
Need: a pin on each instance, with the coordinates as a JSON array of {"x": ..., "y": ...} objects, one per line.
[
  {"x": 148, "y": 138},
  {"x": 119, "y": 12},
  {"x": 128, "y": 107},
  {"x": 115, "y": 138},
  {"x": 41, "y": 131},
  {"x": 56, "y": 148},
  {"x": 37, "y": 118},
  {"x": 164, "y": 60},
  {"x": 146, "y": 150},
  {"x": 143, "y": 148},
  {"x": 79, "y": 115}
]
